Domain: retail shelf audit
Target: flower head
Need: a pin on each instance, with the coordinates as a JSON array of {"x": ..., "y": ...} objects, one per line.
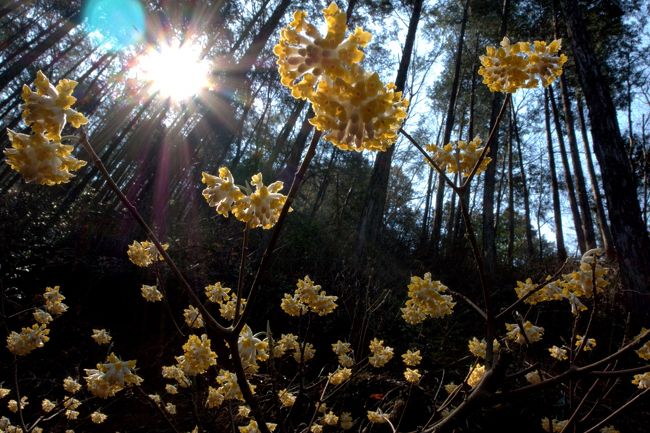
[
  {"x": 48, "y": 109},
  {"x": 144, "y": 253},
  {"x": 111, "y": 377},
  {"x": 197, "y": 355},
  {"x": 514, "y": 66},
  {"x": 533, "y": 333},
  {"x": 40, "y": 160},
  {"x": 221, "y": 192},
  {"x": 380, "y": 354},
  {"x": 426, "y": 299},
  {"x": 261, "y": 208},
  {"x": 28, "y": 339},
  {"x": 460, "y": 157},
  {"x": 151, "y": 293}
]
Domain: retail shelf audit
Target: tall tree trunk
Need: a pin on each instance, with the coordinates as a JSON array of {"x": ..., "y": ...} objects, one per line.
[
  {"x": 601, "y": 216},
  {"x": 557, "y": 212},
  {"x": 568, "y": 178},
  {"x": 628, "y": 231},
  {"x": 511, "y": 195},
  {"x": 373, "y": 210},
  {"x": 530, "y": 249},
  {"x": 489, "y": 233},
  {"x": 581, "y": 188},
  {"x": 449, "y": 124}
]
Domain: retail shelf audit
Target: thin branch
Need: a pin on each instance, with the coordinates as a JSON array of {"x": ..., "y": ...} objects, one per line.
[{"x": 617, "y": 411}]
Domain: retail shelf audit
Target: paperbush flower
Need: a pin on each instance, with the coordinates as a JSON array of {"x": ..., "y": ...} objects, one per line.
[
  {"x": 554, "y": 426},
  {"x": 534, "y": 333},
  {"x": 144, "y": 253},
  {"x": 533, "y": 377},
  {"x": 340, "y": 375},
  {"x": 478, "y": 348},
  {"x": 221, "y": 192},
  {"x": 217, "y": 293},
  {"x": 362, "y": 114},
  {"x": 642, "y": 380},
  {"x": 426, "y": 299},
  {"x": 251, "y": 349},
  {"x": 304, "y": 56},
  {"x": 558, "y": 353},
  {"x": 98, "y": 417},
  {"x": 412, "y": 375},
  {"x": 151, "y": 293},
  {"x": 40, "y": 160},
  {"x": 514, "y": 66},
  {"x": 330, "y": 418},
  {"x": 70, "y": 385},
  {"x": 477, "y": 373},
  {"x": 589, "y": 344},
  {"x": 377, "y": 417},
  {"x": 42, "y": 317},
  {"x": 261, "y": 208},
  {"x": 49, "y": 108},
  {"x": 287, "y": 399},
  {"x": 460, "y": 157},
  {"x": 380, "y": 354},
  {"x": 28, "y": 339},
  {"x": 412, "y": 358},
  {"x": 54, "y": 301},
  {"x": 197, "y": 355},
  {"x": 353, "y": 107},
  {"x": 193, "y": 317},
  {"x": 308, "y": 297},
  {"x": 111, "y": 377}
]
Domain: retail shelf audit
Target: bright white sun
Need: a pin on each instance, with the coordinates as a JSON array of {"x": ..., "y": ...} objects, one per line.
[{"x": 174, "y": 70}]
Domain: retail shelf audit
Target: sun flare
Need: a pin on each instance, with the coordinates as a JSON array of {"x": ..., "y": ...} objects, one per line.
[{"x": 176, "y": 71}]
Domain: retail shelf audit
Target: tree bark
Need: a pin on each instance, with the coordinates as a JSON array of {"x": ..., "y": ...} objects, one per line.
[
  {"x": 373, "y": 210},
  {"x": 530, "y": 249},
  {"x": 568, "y": 178},
  {"x": 449, "y": 123},
  {"x": 605, "y": 233},
  {"x": 557, "y": 212},
  {"x": 628, "y": 231}
]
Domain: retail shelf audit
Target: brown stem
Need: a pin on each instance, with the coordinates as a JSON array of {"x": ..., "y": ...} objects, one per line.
[
  {"x": 211, "y": 321},
  {"x": 489, "y": 141},
  {"x": 617, "y": 411},
  {"x": 242, "y": 265},
  {"x": 268, "y": 253}
]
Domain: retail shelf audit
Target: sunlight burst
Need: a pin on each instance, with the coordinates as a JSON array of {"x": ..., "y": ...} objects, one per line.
[{"x": 174, "y": 70}]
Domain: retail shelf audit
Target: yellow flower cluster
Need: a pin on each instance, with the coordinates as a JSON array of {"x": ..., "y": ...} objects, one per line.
[
  {"x": 197, "y": 356},
  {"x": 521, "y": 65},
  {"x": 176, "y": 373},
  {"x": 460, "y": 157},
  {"x": 259, "y": 209},
  {"x": 412, "y": 358},
  {"x": 144, "y": 253},
  {"x": 340, "y": 375},
  {"x": 30, "y": 338},
  {"x": 572, "y": 287},
  {"x": 345, "y": 421},
  {"x": 533, "y": 377},
  {"x": 533, "y": 333},
  {"x": 476, "y": 375},
  {"x": 252, "y": 349},
  {"x": 554, "y": 426},
  {"x": 479, "y": 348},
  {"x": 101, "y": 336},
  {"x": 111, "y": 377},
  {"x": 412, "y": 375},
  {"x": 352, "y": 106},
  {"x": 287, "y": 399},
  {"x": 71, "y": 385},
  {"x": 644, "y": 351},
  {"x": 290, "y": 343},
  {"x": 377, "y": 416},
  {"x": 252, "y": 427},
  {"x": 558, "y": 353},
  {"x": 642, "y": 380},
  {"x": 380, "y": 354},
  {"x": 193, "y": 317},
  {"x": 426, "y": 299},
  {"x": 344, "y": 353},
  {"x": 40, "y": 157},
  {"x": 151, "y": 293},
  {"x": 225, "y": 298},
  {"x": 308, "y": 297},
  {"x": 589, "y": 344}
]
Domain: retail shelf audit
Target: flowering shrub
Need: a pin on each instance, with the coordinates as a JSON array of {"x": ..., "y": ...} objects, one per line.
[{"x": 224, "y": 365}]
